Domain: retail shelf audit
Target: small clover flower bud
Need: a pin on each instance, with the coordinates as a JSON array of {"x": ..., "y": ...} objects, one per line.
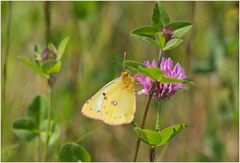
[
  {"x": 163, "y": 91},
  {"x": 47, "y": 54},
  {"x": 52, "y": 80},
  {"x": 167, "y": 33}
]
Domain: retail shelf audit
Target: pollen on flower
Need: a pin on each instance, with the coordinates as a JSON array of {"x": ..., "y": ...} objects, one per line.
[{"x": 163, "y": 91}]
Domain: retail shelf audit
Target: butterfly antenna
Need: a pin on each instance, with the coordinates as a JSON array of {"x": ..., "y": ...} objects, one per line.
[{"x": 124, "y": 58}]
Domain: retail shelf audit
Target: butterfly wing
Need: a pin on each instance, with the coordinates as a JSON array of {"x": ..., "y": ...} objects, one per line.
[
  {"x": 92, "y": 106},
  {"x": 119, "y": 105}
]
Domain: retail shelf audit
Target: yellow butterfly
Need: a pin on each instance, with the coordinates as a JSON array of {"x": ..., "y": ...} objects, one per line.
[{"x": 115, "y": 103}]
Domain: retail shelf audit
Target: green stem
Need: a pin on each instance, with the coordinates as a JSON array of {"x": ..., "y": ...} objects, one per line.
[
  {"x": 47, "y": 15},
  {"x": 38, "y": 149},
  {"x": 152, "y": 149},
  {"x": 47, "y": 18},
  {"x": 158, "y": 116},
  {"x": 5, "y": 60},
  {"x": 49, "y": 121}
]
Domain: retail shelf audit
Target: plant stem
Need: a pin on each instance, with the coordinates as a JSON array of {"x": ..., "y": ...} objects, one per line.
[
  {"x": 143, "y": 119},
  {"x": 151, "y": 154},
  {"x": 152, "y": 149},
  {"x": 144, "y": 116},
  {"x": 47, "y": 15},
  {"x": 5, "y": 60},
  {"x": 49, "y": 121},
  {"x": 158, "y": 116},
  {"x": 47, "y": 18},
  {"x": 38, "y": 148}
]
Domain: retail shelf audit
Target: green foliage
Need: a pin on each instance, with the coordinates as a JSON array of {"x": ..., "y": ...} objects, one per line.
[
  {"x": 160, "y": 40},
  {"x": 152, "y": 72},
  {"x": 156, "y": 138},
  {"x": 62, "y": 47},
  {"x": 155, "y": 73},
  {"x": 172, "y": 44},
  {"x": 37, "y": 51},
  {"x": 182, "y": 31},
  {"x": 37, "y": 110},
  {"x": 160, "y": 20},
  {"x": 33, "y": 66},
  {"x": 46, "y": 67},
  {"x": 51, "y": 66},
  {"x": 133, "y": 64},
  {"x": 25, "y": 128},
  {"x": 35, "y": 124},
  {"x": 179, "y": 28},
  {"x": 52, "y": 48},
  {"x": 146, "y": 34},
  {"x": 168, "y": 133},
  {"x": 72, "y": 152},
  {"x": 145, "y": 31},
  {"x": 54, "y": 132},
  {"x": 174, "y": 80},
  {"x": 150, "y": 137},
  {"x": 160, "y": 17},
  {"x": 178, "y": 25}
]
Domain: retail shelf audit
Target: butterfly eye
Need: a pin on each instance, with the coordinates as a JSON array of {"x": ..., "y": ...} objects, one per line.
[{"x": 104, "y": 94}]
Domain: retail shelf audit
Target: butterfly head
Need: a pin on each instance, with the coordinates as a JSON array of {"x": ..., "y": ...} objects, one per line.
[{"x": 128, "y": 79}]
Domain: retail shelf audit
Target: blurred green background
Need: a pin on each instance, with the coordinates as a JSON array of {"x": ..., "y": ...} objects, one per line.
[{"x": 99, "y": 35}]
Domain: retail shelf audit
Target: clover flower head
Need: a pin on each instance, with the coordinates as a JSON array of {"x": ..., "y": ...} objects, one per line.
[
  {"x": 48, "y": 54},
  {"x": 167, "y": 33},
  {"x": 166, "y": 90}
]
